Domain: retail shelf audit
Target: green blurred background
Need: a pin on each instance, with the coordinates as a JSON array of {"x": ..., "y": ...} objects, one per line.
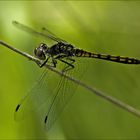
[{"x": 111, "y": 27}]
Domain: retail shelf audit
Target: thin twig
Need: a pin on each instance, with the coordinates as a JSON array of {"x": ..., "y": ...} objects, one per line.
[{"x": 91, "y": 89}]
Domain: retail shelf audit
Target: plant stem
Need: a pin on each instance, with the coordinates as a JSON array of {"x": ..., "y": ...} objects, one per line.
[{"x": 111, "y": 99}]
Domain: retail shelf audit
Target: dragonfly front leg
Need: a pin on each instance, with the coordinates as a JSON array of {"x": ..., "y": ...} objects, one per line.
[
  {"x": 43, "y": 63},
  {"x": 53, "y": 63}
]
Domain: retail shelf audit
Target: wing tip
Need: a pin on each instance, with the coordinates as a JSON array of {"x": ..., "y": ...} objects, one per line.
[
  {"x": 14, "y": 22},
  {"x": 46, "y": 118},
  {"x": 17, "y": 108},
  {"x": 43, "y": 28}
]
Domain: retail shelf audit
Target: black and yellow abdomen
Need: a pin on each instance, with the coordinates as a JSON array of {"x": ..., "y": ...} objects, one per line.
[{"x": 118, "y": 59}]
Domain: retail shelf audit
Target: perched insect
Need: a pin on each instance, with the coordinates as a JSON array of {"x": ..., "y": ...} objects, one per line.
[{"x": 67, "y": 54}]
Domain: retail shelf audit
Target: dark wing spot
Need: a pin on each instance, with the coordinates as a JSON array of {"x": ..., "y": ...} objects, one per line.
[
  {"x": 17, "y": 108},
  {"x": 46, "y": 118}
]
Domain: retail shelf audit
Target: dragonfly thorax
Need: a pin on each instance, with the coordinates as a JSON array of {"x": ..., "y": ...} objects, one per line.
[
  {"x": 61, "y": 49},
  {"x": 40, "y": 51}
]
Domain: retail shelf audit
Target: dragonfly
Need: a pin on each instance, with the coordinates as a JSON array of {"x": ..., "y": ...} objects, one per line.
[{"x": 67, "y": 54}]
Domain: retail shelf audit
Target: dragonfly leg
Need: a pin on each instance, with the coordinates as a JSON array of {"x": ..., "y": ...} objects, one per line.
[
  {"x": 69, "y": 64},
  {"x": 53, "y": 64},
  {"x": 41, "y": 65},
  {"x": 72, "y": 60}
]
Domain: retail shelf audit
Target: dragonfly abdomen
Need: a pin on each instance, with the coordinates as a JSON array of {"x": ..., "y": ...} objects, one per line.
[{"x": 119, "y": 59}]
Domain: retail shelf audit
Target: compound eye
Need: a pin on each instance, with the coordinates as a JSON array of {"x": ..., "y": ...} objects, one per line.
[
  {"x": 43, "y": 46},
  {"x": 39, "y": 53}
]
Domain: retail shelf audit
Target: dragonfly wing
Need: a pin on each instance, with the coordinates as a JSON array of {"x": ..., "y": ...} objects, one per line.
[
  {"x": 26, "y": 28},
  {"x": 48, "y": 97},
  {"x": 52, "y": 35},
  {"x": 39, "y": 94},
  {"x": 34, "y": 32},
  {"x": 62, "y": 95}
]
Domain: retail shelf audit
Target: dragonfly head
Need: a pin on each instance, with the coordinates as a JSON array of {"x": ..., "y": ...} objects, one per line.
[{"x": 40, "y": 51}]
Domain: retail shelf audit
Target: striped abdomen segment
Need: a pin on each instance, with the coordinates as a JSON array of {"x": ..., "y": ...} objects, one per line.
[{"x": 119, "y": 59}]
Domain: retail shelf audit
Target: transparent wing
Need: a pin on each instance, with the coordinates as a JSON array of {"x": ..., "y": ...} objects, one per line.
[
  {"x": 63, "y": 93},
  {"x": 27, "y": 102},
  {"x": 49, "y": 95},
  {"x": 61, "y": 98},
  {"x": 47, "y": 32},
  {"x": 41, "y": 93},
  {"x": 45, "y": 35}
]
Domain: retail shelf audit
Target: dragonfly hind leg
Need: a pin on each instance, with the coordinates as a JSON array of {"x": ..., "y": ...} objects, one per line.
[{"x": 69, "y": 64}]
